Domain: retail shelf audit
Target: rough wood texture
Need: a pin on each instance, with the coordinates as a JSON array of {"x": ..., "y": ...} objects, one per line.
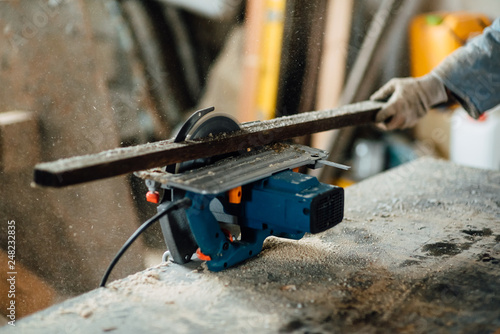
[
  {"x": 418, "y": 252},
  {"x": 125, "y": 160}
]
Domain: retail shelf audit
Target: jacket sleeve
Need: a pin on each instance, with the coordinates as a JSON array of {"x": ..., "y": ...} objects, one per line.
[{"x": 472, "y": 72}]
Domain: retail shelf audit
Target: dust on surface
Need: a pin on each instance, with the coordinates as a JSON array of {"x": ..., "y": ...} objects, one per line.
[{"x": 400, "y": 262}]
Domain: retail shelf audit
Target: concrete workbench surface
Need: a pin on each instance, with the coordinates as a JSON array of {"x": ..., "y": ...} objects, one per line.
[{"x": 418, "y": 252}]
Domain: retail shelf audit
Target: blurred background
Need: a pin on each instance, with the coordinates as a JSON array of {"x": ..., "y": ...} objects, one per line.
[{"x": 82, "y": 76}]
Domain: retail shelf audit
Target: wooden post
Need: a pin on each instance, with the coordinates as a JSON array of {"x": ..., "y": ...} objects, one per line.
[
  {"x": 251, "y": 60},
  {"x": 333, "y": 64}
]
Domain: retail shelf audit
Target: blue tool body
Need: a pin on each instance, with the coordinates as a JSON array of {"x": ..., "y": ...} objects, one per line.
[{"x": 286, "y": 204}]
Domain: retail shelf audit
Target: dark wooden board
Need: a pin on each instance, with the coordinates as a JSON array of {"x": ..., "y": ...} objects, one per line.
[{"x": 119, "y": 161}]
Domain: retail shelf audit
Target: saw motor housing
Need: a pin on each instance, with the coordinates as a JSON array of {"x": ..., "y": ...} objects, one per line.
[
  {"x": 287, "y": 205},
  {"x": 294, "y": 203}
]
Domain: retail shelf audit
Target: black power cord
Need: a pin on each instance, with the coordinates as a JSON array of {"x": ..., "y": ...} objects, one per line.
[{"x": 180, "y": 204}]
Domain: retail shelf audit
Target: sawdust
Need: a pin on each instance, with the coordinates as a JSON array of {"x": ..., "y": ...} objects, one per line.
[
  {"x": 373, "y": 273},
  {"x": 321, "y": 290}
]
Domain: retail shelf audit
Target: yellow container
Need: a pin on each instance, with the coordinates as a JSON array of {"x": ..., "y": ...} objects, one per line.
[{"x": 434, "y": 36}]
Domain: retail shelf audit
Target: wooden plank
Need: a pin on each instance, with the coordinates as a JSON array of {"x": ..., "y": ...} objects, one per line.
[{"x": 129, "y": 159}]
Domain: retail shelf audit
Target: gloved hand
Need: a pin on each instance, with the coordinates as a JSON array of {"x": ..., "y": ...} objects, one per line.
[{"x": 408, "y": 99}]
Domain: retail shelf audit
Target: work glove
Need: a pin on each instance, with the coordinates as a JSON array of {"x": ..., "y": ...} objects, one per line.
[{"x": 408, "y": 99}]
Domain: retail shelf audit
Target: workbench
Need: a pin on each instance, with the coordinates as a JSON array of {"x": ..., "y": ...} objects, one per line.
[{"x": 418, "y": 252}]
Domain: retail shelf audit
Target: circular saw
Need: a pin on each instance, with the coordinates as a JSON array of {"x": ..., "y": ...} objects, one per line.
[{"x": 257, "y": 190}]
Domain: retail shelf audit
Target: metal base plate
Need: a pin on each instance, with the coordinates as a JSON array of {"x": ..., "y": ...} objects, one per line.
[{"x": 238, "y": 170}]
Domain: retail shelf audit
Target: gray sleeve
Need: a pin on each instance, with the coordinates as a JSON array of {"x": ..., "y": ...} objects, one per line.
[{"x": 472, "y": 72}]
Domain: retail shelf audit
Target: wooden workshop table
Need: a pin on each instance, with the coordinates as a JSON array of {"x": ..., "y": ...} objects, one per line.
[{"x": 417, "y": 252}]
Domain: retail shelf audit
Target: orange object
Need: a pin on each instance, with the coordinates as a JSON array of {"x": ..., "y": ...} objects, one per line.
[
  {"x": 343, "y": 182},
  {"x": 202, "y": 256},
  {"x": 483, "y": 117},
  {"x": 235, "y": 195},
  {"x": 296, "y": 170},
  {"x": 434, "y": 36},
  {"x": 153, "y": 197}
]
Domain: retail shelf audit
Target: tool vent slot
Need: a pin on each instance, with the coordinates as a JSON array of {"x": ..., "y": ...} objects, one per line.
[{"x": 327, "y": 210}]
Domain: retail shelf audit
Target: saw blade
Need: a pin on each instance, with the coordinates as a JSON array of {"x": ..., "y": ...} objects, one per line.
[
  {"x": 203, "y": 124},
  {"x": 189, "y": 123}
]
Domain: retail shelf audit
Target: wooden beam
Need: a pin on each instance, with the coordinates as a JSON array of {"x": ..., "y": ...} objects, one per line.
[
  {"x": 120, "y": 161},
  {"x": 333, "y": 64},
  {"x": 339, "y": 140},
  {"x": 254, "y": 23},
  {"x": 334, "y": 57}
]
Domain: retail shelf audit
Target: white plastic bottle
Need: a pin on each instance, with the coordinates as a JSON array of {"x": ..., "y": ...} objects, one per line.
[{"x": 476, "y": 143}]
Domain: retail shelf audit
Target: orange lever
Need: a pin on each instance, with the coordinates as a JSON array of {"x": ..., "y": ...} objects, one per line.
[
  {"x": 235, "y": 195},
  {"x": 153, "y": 197},
  {"x": 202, "y": 256}
]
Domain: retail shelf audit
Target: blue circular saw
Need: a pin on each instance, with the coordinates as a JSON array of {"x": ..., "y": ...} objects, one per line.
[{"x": 256, "y": 190}]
